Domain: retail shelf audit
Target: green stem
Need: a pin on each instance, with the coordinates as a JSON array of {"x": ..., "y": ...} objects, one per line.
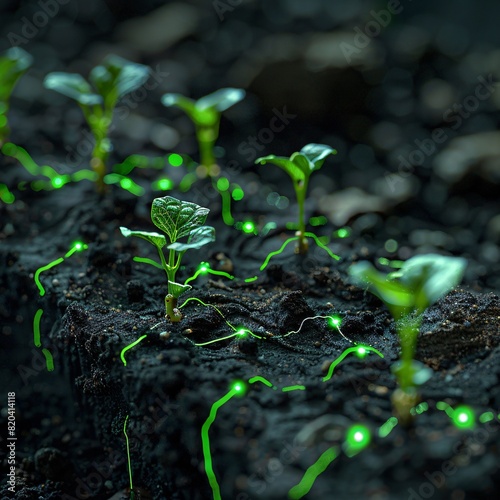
[
  {"x": 408, "y": 333},
  {"x": 302, "y": 245},
  {"x": 4, "y": 124},
  {"x": 207, "y": 135}
]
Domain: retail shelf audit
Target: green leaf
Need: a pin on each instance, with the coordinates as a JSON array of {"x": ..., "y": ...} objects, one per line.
[
  {"x": 430, "y": 277},
  {"x": 316, "y": 154},
  {"x": 13, "y": 64},
  {"x": 197, "y": 238},
  {"x": 158, "y": 240},
  {"x": 184, "y": 103},
  {"x": 74, "y": 86},
  {"x": 295, "y": 172},
  {"x": 221, "y": 99},
  {"x": 176, "y": 289},
  {"x": 395, "y": 296},
  {"x": 116, "y": 77},
  {"x": 177, "y": 218}
]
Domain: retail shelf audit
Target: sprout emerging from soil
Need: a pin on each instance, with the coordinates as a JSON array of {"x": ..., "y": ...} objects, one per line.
[
  {"x": 13, "y": 64},
  {"x": 177, "y": 219},
  {"x": 299, "y": 167},
  {"x": 110, "y": 81},
  {"x": 205, "y": 113},
  {"x": 407, "y": 293}
]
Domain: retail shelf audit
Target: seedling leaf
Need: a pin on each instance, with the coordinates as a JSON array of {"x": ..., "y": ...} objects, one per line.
[
  {"x": 158, "y": 240},
  {"x": 116, "y": 77},
  {"x": 13, "y": 64},
  {"x": 182, "y": 102},
  {"x": 177, "y": 218},
  {"x": 316, "y": 154},
  {"x": 221, "y": 99},
  {"x": 290, "y": 167},
  {"x": 176, "y": 289},
  {"x": 430, "y": 277},
  {"x": 197, "y": 238},
  {"x": 74, "y": 86}
]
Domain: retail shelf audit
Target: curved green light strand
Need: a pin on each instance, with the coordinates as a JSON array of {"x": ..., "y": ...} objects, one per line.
[
  {"x": 209, "y": 271},
  {"x": 277, "y": 252},
  {"x": 40, "y": 270},
  {"x": 324, "y": 247},
  {"x": 356, "y": 349},
  {"x": 262, "y": 380},
  {"x": 129, "y": 463},
  {"x": 337, "y": 326},
  {"x": 312, "y": 473},
  {"x": 205, "y": 439},
  {"x": 49, "y": 360},
  {"x": 128, "y": 347},
  {"x": 386, "y": 428},
  {"x": 36, "y": 328},
  {"x": 294, "y": 388}
]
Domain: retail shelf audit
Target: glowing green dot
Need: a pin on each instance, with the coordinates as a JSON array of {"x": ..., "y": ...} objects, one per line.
[
  {"x": 222, "y": 184},
  {"x": 242, "y": 332},
  {"x": 126, "y": 183},
  {"x": 361, "y": 351},
  {"x": 57, "y": 182},
  {"x": 164, "y": 184},
  {"x": 343, "y": 232},
  {"x": 248, "y": 227},
  {"x": 175, "y": 160},
  {"x": 358, "y": 437},
  {"x": 238, "y": 386},
  {"x": 463, "y": 417},
  {"x": 238, "y": 194},
  {"x": 335, "y": 321},
  {"x": 391, "y": 246}
]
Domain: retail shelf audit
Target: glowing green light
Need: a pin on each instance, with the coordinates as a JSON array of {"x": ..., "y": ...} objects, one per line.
[
  {"x": 335, "y": 321},
  {"x": 242, "y": 332},
  {"x": 463, "y": 417},
  {"x": 36, "y": 327},
  {"x": 57, "y": 182},
  {"x": 238, "y": 194},
  {"x": 248, "y": 227},
  {"x": 126, "y": 183},
  {"x": 486, "y": 417},
  {"x": 349, "y": 350},
  {"x": 49, "y": 360},
  {"x": 223, "y": 184},
  {"x": 294, "y": 388},
  {"x": 128, "y": 456},
  {"x": 238, "y": 387},
  {"x": 126, "y": 348},
  {"x": 5, "y": 195},
  {"x": 175, "y": 160},
  {"x": 387, "y": 427},
  {"x": 358, "y": 437},
  {"x": 165, "y": 184},
  {"x": 343, "y": 232},
  {"x": 318, "y": 221},
  {"x": 312, "y": 473},
  {"x": 260, "y": 379},
  {"x": 361, "y": 351}
]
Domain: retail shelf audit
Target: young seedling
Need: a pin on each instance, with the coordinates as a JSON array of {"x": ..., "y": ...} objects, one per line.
[
  {"x": 177, "y": 219},
  {"x": 205, "y": 113},
  {"x": 299, "y": 167},
  {"x": 13, "y": 64},
  {"x": 108, "y": 82},
  {"x": 407, "y": 293}
]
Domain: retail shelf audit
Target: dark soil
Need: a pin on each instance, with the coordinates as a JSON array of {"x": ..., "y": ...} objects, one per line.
[{"x": 70, "y": 422}]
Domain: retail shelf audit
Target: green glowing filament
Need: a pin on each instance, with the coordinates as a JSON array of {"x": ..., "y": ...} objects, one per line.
[
  {"x": 312, "y": 473},
  {"x": 257, "y": 378},
  {"x": 222, "y": 184},
  {"x": 206, "y": 269},
  {"x": 463, "y": 417},
  {"x": 318, "y": 221},
  {"x": 486, "y": 417},
  {"x": 126, "y": 348},
  {"x": 277, "y": 252},
  {"x": 5, "y": 195},
  {"x": 128, "y": 455},
  {"x": 36, "y": 328},
  {"x": 294, "y": 388},
  {"x": 250, "y": 280},
  {"x": 226, "y": 208},
  {"x": 237, "y": 388},
  {"x": 334, "y": 321},
  {"x": 441, "y": 405},
  {"x": 343, "y": 232},
  {"x": 355, "y": 349},
  {"x": 387, "y": 427},
  {"x": 358, "y": 437},
  {"x": 49, "y": 360},
  {"x": 41, "y": 270},
  {"x": 238, "y": 194},
  {"x": 321, "y": 245}
]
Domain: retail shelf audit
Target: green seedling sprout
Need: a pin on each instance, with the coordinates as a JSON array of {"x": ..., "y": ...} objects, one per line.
[
  {"x": 177, "y": 219},
  {"x": 299, "y": 167},
  {"x": 13, "y": 64},
  {"x": 407, "y": 293},
  {"x": 205, "y": 113},
  {"x": 110, "y": 81}
]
